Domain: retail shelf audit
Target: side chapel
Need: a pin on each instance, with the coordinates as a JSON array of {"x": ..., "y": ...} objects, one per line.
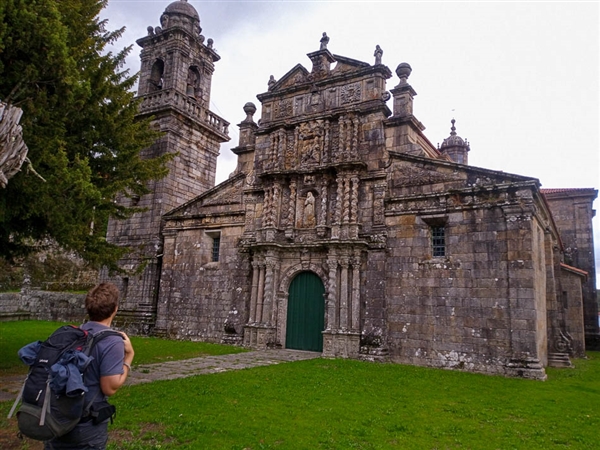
[{"x": 343, "y": 230}]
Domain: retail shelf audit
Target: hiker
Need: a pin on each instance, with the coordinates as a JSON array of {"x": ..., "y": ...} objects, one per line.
[{"x": 107, "y": 372}]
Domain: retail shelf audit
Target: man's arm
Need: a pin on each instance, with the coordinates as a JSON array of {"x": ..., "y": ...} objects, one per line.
[{"x": 110, "y": 384}]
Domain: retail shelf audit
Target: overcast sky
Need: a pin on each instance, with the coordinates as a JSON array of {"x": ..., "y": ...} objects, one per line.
[{"x": 522, "y": 79}]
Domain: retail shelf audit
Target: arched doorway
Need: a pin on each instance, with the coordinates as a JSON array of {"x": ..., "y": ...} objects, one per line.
[{"x": 305, "y": 313}]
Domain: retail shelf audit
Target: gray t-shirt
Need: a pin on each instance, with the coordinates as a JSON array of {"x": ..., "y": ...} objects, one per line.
[{"x": 108, "y": 360}]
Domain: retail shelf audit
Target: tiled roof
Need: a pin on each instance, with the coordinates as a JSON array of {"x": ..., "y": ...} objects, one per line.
[
  {"x": 567, "y": 190},
  {"x": 575, "y": 270}
]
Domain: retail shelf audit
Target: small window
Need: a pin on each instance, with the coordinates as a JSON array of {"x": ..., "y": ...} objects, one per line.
[
  {"x": 216, "y": 245},
  {"x": 125, "y": 287},
  {"x": 438, "y": 241}
]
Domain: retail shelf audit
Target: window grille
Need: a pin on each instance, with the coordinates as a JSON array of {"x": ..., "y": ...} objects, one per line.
[
  {"x": 438, "y": 241},
  {"x": 215, "y": 248}
]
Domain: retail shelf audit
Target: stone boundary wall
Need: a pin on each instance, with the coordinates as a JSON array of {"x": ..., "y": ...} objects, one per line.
[{"x": 42, "y": 305}]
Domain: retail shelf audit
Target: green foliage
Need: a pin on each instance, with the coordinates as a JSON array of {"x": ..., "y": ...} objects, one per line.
[
  {"x": 78, "y": 122},
  {"x": 11, "y": 277}
]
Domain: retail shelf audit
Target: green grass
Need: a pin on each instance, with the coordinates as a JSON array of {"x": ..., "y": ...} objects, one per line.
[
  {"x": 345, "y": 404},
  {"x": 14, "y": 335}
]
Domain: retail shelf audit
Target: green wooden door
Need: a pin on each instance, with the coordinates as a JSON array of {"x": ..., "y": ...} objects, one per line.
[{"x": 305, "y": 313}]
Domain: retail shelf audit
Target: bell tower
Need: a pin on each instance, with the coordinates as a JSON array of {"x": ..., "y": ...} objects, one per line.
[{"x": 177, "y": 65}]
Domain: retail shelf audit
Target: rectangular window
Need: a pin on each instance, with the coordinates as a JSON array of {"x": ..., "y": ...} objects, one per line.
[
  {"x": 438, "y": 241},
  {"x": 216, "y": 244},
  {"x": 125, "y": 287}
]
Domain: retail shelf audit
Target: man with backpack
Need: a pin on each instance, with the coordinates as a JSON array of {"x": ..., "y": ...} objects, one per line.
[{"x": 106, "y": 373}]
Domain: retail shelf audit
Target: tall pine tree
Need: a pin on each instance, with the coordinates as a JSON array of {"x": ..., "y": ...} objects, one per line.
[{"x": 78, "y": 122}]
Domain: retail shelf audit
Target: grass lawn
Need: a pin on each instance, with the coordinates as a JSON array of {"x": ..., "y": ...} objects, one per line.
[
  {"x": 345, "y": 404},
  {"x": 14, "y": 335}
]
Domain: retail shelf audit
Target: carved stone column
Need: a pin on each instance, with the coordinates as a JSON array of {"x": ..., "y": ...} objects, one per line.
[
  {"x": 326, "y": 139},
  {"x": 271, "y": 264},
  {"x": 254, "y": 292},
  {"x": 342, "y": 139},
  {"x": 337, "y": 213},
  {"x": 260, "y": 291},
  {"x": 276, "y": 206},
  {"x": 354, "y": 199},
  {"x": 346, "y": 202},
  {"x": 291, "y": 213},
  {"x": 322, "y": 210},
  {"x": 332, "y": 319},
  {"x": 282, "y": 144},
  {"x": 344, "y": 264},
  {"x": 276, "y": 267},
  {"x": 355, "y": 320},
  {"x": 353, "y": 230},
  {"x": 355, "y": 132}
]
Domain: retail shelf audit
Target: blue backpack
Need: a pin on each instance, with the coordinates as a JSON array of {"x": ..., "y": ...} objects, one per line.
[{"x": 53, "y": 394}]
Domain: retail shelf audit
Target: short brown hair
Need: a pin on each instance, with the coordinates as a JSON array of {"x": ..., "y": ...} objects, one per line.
[{"x": 101, "y": 301}]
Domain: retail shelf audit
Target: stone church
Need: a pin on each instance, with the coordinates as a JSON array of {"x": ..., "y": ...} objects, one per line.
[{"x": 343, "y": 230}]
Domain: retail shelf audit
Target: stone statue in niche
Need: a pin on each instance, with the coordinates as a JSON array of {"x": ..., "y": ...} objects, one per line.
[{"x": 309, "y": 211}]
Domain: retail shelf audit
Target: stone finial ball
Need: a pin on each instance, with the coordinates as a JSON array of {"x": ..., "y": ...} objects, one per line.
[
  {"x": 249, "y": 108},
  {"x": 403, "y": 70}
]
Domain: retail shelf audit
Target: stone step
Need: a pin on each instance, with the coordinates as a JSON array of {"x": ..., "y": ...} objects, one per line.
[{"x": 559, "y": 360}]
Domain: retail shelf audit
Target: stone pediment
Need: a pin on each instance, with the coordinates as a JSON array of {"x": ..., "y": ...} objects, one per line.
[
  {"x": 346, "y": 65},
  {"x": 225, "y": 194},
  {"x": 412, "y": 175},
  {"x": 430, "y": 175},
  {"x": 297, "y": 75}
]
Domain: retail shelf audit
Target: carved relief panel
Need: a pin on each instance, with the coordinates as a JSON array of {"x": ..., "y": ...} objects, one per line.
[{"x": 310, "y": 143}]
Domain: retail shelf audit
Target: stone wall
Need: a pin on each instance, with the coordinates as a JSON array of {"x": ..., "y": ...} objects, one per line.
[
  {"x": 43, "y": 305},
  {"x": 199, "y": 298},
  {"x": 480, "y": 307},
  {"x": 572, "y": 210}
]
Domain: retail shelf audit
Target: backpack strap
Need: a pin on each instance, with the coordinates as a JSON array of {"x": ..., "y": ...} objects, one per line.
[
  {"x": 88, "y": 407},
  {"x": 46, "y": 403},
  {"x": 94, "y": 339},
  {"x": 97, "y": 337},
  {"x": 14, "y": 406}
]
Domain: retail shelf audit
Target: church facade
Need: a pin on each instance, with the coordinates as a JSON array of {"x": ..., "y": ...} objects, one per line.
[{"x": 343, "y": 230}]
